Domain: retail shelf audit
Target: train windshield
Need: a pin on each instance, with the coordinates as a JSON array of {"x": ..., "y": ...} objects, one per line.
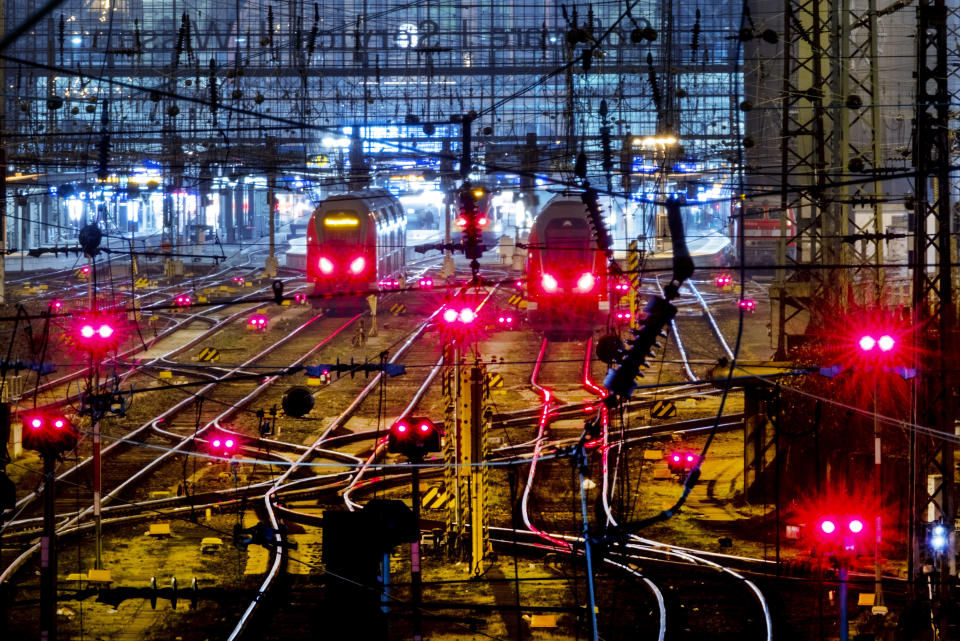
[
  {"x": 569, "y": 242},
  {"x": 341, "y": 228}
]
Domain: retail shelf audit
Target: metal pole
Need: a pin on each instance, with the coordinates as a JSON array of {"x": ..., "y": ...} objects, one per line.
[
  {"x": 878, "y": 605},
  {"x": 385, "y": 580},
  {"x": 48, "y": 554},
  {"x": 3, "y": 164},
  {"x": 842, "y": 599},
  {"x": 587, "y": 551},
  {"x": 415, "y": 579},
  {"x": 95, "y": 419}
]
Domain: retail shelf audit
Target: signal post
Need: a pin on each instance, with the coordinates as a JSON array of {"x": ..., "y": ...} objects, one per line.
[{"x": 465, "y": 449}]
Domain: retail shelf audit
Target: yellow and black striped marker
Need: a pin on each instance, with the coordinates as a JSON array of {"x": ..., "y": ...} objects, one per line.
[
  {"x": 208, "y": 354},
  {"x": 663, "y": 409},
  {"x": 436, "y": 499},
  {"x": 398, "y": 309},
  {"x": 495, "y": 383}
]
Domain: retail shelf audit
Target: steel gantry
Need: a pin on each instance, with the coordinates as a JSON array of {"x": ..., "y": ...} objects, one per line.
[
  {"x": 833, "y": 159},
  {"x": 935, "y": 410}
]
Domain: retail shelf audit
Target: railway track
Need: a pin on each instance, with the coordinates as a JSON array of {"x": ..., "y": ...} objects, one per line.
[{"x": 145, "y": 461}]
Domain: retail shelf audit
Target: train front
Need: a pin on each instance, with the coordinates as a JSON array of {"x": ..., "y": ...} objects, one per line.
[
  {"x": 341, "y": 253},
  {"x": 567, "y": 283}
]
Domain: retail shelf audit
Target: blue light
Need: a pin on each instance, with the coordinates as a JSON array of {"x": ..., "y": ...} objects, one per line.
[{"x": 938, "y": 538}]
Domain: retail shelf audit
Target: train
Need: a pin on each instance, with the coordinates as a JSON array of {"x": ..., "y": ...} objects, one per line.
[
  {"x": 567, "y": 283},
  {"x": 356, "y": 244},
  {"x": 762, "y": 233}
]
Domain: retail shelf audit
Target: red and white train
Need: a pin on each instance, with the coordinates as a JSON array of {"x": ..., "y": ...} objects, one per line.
[
  {"x": 567, "y": 287},
  {"x": 356, "y": 242}
]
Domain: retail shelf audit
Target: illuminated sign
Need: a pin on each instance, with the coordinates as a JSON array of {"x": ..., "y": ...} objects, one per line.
[{"x": 340, "y": 222}]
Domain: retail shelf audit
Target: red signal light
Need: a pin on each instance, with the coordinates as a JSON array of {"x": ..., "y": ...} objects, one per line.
[
  {"x": 183, "y": 301},
  {"x": 413, "y": 443},
  {"x": 827, "y": 526},
  {"x": 676, "y": 458},
  {"x": 56, "y": 306},
  {"x": 747, "y": 305},
  {"x": 96, "y": 334},
  {"x": 450, "y": 315},
  {"x": 855, "y": 526},
  {"x": 886, "y": 343},
  {"x": 467, "y": 315},
  {"x": 48, "y": 434},
  {"x": 867, "y": 343},
  {"x": 85, "y": 269},
  {"x": 426, "y": 283},
  {"x": 258, "y": 322},
  {"x": 224, "y": 445}
]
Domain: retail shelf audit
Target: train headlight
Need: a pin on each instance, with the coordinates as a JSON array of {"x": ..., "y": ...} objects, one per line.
[
  {"x": 586, "y": 282},
  {"x": 357, "y": 265},
  {"x": 482, "y": 221},
  {"x": 326, "y": 265},
  {"x": 549, "y": 283}
]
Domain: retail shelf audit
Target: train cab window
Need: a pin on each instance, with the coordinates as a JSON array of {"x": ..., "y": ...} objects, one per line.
[
  {"x": 572, "y": 240},
  {"x": 341, "y": 228}
]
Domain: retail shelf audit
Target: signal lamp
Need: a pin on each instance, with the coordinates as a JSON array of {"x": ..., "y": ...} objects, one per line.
[
  {"x": 257, "y": 322},
  {"x": 56, "y": 306},
  {"x": 855, "y": 526},
  {"x": 450, "y": 315},
  {"x": 238, "y": 280},
  {"x": 549, "y": 283},
  {"x": 681, "y": 462},
  {"x": 183, "y": 301},
  {"x": 623, "y": 316},
  {"x": 300, "y": 298},
  {"x": 96, "y": 334},
  {"x": 426, "y": 283},
  {"x": 886, "y": 343},
  {"x": 467, "y": 315},
  {"x": 747, "y": 305},
  {"x": 938, "y": 537},
  {"x": 413, "y": 443},
  {"x": 85, "y": 270},
  {"x": 297, "y": 401},
  {"x": 827, "y": 526},
  {"x": 49, "y": 434},
  {"x": 326, "y": 265},
  {"x": 225, "y": 445}
]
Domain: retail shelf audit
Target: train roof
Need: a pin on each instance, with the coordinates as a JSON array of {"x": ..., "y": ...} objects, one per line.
[
  {"x": 373, "y": 200},
  {"x": 560, "y": 206}
]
